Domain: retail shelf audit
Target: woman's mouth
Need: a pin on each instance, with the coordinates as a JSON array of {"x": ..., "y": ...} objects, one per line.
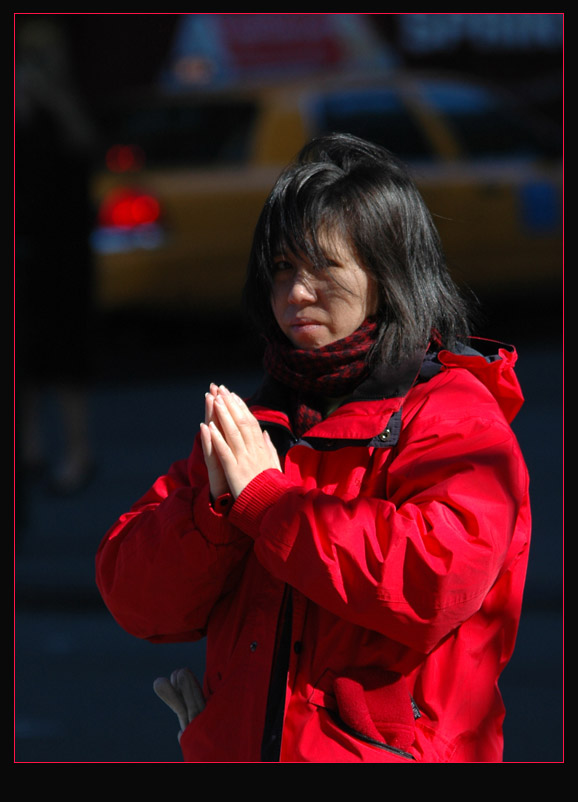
[
  {"x": 303, "y": 323},
  {"x": 304, "y": 328}
]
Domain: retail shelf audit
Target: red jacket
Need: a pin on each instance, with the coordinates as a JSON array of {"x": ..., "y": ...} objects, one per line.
[{"x": 401, "y": 526}]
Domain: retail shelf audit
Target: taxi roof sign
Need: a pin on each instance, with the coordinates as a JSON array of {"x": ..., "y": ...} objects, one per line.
[{"x": 227, "y": 47}]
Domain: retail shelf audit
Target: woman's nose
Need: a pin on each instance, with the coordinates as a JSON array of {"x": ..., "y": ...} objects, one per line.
[{"x": 302, "y": 290}]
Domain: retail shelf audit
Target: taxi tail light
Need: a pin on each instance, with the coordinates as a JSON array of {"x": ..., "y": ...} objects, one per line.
[{"x": 129, "y": 208}]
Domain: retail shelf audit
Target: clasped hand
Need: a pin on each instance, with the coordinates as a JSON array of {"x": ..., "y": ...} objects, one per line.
[{"x": 235, "y": 448}]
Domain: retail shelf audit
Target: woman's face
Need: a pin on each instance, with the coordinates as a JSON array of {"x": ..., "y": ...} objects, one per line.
[{"x": 315, "y": 307}]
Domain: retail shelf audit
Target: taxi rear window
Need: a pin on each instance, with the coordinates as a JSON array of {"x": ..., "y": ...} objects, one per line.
[{"x": 377, "y": 115}]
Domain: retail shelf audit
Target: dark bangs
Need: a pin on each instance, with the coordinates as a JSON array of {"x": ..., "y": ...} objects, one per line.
[{"x": 302, "y": 204}]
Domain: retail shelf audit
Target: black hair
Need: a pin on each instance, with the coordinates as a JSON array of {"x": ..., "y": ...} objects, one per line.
[{"x": 340, "y": 183}]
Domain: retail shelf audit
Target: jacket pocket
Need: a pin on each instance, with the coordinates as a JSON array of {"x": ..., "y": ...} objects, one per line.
[{"x": 373, "y": 705}]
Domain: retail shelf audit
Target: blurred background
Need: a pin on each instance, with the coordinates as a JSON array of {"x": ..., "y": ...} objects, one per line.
[{"x": 145, "y": 145}]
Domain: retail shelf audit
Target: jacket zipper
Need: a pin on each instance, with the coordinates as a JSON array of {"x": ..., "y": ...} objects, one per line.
[{"x": 367, "y": 739}]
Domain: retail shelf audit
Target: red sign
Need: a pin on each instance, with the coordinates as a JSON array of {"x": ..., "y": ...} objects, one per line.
[{"x": 256, "y": 40}]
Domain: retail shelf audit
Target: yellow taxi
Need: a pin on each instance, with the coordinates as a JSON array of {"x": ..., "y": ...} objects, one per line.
[{"x": 186, "y": 175}]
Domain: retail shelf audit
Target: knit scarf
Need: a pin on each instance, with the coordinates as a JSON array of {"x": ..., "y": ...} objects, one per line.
[{"x": 313, "y": 376}]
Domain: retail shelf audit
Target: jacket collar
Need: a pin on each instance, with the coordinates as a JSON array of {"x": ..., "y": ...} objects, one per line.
[{"x": 379, "y": 426}]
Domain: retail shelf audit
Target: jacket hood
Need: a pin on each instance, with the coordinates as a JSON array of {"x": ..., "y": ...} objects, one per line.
[{"x": 492, "y": 364}]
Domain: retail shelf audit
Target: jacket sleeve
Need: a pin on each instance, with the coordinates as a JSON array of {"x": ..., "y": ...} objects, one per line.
[
  {"x": 164, "y": 564},
  {"x": 416, "y": 562}
]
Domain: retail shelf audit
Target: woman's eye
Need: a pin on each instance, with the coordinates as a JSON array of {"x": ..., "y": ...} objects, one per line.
[{"x": 281, "y": 265}]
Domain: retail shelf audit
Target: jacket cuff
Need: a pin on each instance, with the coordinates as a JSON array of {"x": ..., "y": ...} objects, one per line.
[
  {"x": 212, "y": 522},
  {"x": 254, "y": 501}
]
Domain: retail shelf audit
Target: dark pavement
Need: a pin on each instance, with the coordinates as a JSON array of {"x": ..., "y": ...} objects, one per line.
[{"x": 83, "y": 688}]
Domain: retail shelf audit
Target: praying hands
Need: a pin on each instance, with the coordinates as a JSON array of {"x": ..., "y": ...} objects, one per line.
[{"x": 235, "y": 448}]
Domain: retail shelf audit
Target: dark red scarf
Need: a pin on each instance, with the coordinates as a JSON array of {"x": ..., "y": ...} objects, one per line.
[{"x": 315, "y": 375}]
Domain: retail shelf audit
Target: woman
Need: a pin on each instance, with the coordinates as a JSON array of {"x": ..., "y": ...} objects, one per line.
[{"x": 353, "y": 540}]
